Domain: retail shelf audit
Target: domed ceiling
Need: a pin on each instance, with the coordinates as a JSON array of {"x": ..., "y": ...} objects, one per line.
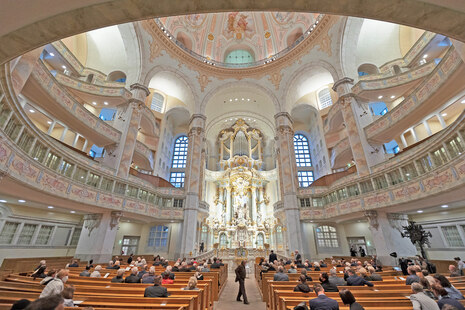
[{"x": 262, "y": 34}]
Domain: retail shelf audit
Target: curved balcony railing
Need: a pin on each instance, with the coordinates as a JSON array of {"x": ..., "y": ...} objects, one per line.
[
  {"x": 386, "y": 69},
  {"x": 146, "y": 154},
  {"x": 396, "y": 80},
  {"x": 390, "y": 124},
  {"x": 339, "y": 149},
  {"x": 100, "y": 78},
  {"x": 28, "y": 157},
  {"x": 241, "y": 65},
  {"x": 62, "y": 100},
  {"x": 98, "y": 90},
  {"x": 434, "y": 167},
  {"x": 329, "y": 125}
]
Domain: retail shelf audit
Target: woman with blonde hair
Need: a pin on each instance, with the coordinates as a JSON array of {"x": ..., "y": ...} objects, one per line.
[{"x": 191, "y": 285}]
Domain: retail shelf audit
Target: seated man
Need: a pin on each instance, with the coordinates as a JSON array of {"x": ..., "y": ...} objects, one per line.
[
  {"x": 168, "y": 270},
  {"x": 454, "y": 272},
  {"x": 354, "y": 280},
  {"x": 145, "y": 270},
  {"x": 280, "y": 275},
  {"x": 110, "y": 265},
  {"x": 445, "y": 299},
  {"x": 334, "y": 279},
  {"x": 74, "y": 263},
  {"x": 156, "y": 290},
  {"x": 302, "y": 286},
  {"x": 322, "y": 302},
  {"x": 119, "y": 277},
  {"x": 421, "y": 301},
  {"x": 96, "y": 272},
  {"x": 412, "y": 271},
  {"x": 132, "y": 278},
  {"x": 149, "y": 277},
  {"x": 86, "y": 272},
  {"x": 373, "y": 275},
  {"x": 304, "y": 272},
  {"x": 216, "y": 264}
]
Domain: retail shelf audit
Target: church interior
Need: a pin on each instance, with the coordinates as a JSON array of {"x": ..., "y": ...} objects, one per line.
[{"x": 196, "y": 131}]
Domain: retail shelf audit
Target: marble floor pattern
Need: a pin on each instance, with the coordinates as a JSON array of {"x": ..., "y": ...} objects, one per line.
[{"x": 227, "y": 300}]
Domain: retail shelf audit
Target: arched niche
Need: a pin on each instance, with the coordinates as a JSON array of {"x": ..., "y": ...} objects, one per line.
[
  {"x": 367, "y": 69},
  {"x": 117, "y": 76}
]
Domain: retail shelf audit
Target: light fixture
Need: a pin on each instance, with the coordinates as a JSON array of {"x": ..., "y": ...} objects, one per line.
[
  {"x": 444, "y": 114},
  {"x": 463, "y": 101},
  {"x": 32, "y": 111},
  {"x": 105, "y": 103},
  {"x": 380, "y": 97},
  {"x": 407, "y": 174},
  {"x": 248, "y": 99},
  {"x": 445, "y": 206},
  {"x": 51, "y": 54},
  {"x": 235, "y": 99},
  {"x": 392, "y": 97},
  {"x": 21, "y": 200},
  {"x": 426, "y": 55},
  {"x": 72, "y": 211},
  {"x": 49, "y": 122},
  {"x": 420, "y": 211},
  {"x": 50, "y": 207},
  {"x": 64, "y": 67},
  {"x": 94, "y": 103},
  {"x": 230, "y": 99},
  {"x": 3, "y": 201}
]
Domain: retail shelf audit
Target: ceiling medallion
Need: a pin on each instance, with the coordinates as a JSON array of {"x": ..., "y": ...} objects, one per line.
[
  {"x": 267, "y": 35},
  {"x": 211, "y": 36}
]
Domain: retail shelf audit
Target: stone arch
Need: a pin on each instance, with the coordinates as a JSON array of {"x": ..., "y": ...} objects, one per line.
[
  {"x": 298, "y": 74},
  {"x": 438, "y": 16}
]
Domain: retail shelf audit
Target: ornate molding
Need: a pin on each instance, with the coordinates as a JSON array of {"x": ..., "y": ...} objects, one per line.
[
  {"x": 342, "y": 81},
  {"x": 115, "y": 217},
  {"x": 372, "y": 217},
  {"x": 397, "y": 220},
  {"x": 138, "y": 86},
  {"x": 92, "y": 221}
]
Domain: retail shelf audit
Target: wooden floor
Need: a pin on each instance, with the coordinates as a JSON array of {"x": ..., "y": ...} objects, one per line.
[{"x": 227, "y": 300}]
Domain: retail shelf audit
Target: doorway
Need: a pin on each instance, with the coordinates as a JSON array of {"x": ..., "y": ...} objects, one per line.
[
  {"x": 130, "y": 245},
  {"x": 357, "y": 243}
]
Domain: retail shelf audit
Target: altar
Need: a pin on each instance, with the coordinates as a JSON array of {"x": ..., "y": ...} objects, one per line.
[{"x": 241, "y": 216}]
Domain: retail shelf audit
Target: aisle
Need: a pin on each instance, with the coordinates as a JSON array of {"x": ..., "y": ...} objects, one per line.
[{"x": 227, "y": 300}]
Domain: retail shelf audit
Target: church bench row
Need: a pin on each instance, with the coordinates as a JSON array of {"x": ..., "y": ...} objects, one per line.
[
  {"x": 380, "y": 287},
  {"x": 117, "y": 289}
]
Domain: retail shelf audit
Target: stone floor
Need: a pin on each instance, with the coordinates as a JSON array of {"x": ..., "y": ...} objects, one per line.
[{"x": 227, "y": 300}]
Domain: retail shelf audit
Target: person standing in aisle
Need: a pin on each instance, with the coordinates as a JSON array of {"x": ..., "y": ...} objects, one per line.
[{"x": 240, "y": 277}]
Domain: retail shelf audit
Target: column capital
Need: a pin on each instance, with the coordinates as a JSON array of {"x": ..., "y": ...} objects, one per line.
[
  {"x": 137, "y": 87},
  {"x": 343, "y": 85},
  {"x": 283, "y": 117},
  {"x": 92, "y": 221},
  {"x": 115, "y": 217},
  {"x": 372, "y": 217}
]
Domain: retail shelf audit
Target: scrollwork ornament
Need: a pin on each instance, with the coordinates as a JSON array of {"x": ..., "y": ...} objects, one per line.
[
  {"x": 115, "y": 218},
  {"x": 372, "y": 217},
  {"x": 92, "y": 221}
]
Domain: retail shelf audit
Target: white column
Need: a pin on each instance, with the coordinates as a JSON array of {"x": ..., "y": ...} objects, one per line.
[
  {"x": 50, "y": 128},
  {"x": 85, "y": 145},
  {"x": 76, "y": 138},
  {"x": 386, "y": 231},
  {"x": 414, "y": 134},
  {"x": 402, "y": 138},
  {"x": 228, "y": 205},
  {"x": 98, "y": 236},
  {"x": 63, "y": 134},
  {"x": 254, "y": 204},
  {"x": 441, "y": 121},
  {"x": 428, "y": 130}
]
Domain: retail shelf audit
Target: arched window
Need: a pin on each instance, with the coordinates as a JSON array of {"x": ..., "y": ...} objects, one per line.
[
  {"x": 324, "y": 98},
  {"x": 223, "y": 241},
  {"x": 239, "y": 57},
  {"x": 327, "y": 237},
  {"x": 303, "y": 160},
  {"x": 178, "y": 164},
  {"x": 260, "y": 240},
  {"x": 302, "y": 151},
  {"x": 180, "y": 152},
  {"x": 157, "y": 102}
]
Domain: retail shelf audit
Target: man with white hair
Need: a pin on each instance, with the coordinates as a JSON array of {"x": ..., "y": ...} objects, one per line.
[
  {"x": 420, "y": 301},
  {"x": 150, "y": 276},
  {"x": 133, "y": 278},
  {"x": 334, "y": 279},
  {"x": 205, "y": 268},
  {"x": 56, "y": 285},
  {"x": 280, "y": 275},
  {"x": 168, "y": 270}
]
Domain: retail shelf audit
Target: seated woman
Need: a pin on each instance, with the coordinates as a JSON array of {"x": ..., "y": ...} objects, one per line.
[
  {"x": 166, "y": 278},
  {"x": 450, "y": 289},
  {"x": 191, "y": 285},
  {"x": 68, "y": 294},
  {"x": 348, "y": 299},
  {"x": 317, "y": 266},
  {"x": 292, "y": 269},
  {"x": 198, "y": 275},
  {"x": 40, "y": 272},
  {"x": 302, "y": 286}
]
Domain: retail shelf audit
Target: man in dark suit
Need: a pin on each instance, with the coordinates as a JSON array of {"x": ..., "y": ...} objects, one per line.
[
  {"x": 215, "y": 264},
  {"x": 298, "y": 257},
  {"x": 240, "y": 277},
  {"x": 133, "y": 278},
  {"x": 322, "y": 302},
  {"x": 354, "y": 280},
  {"x": 156, "y": 290},
  {"x": 272, "y": 257},
  {"x": 201, "y": 248}
]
